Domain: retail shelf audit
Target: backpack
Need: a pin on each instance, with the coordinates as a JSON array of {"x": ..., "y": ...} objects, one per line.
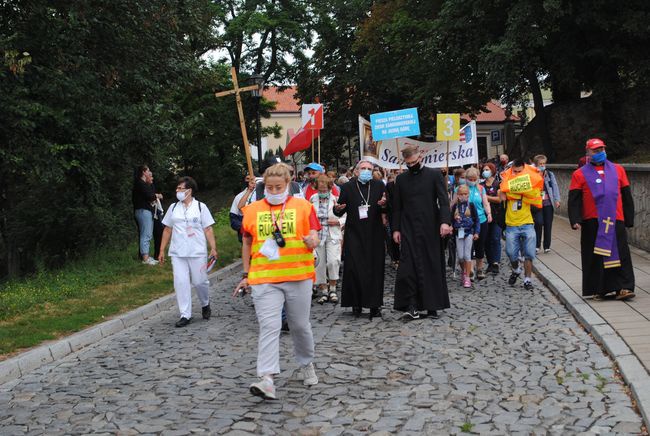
[
  {"x": 294, "y": 188},
  {"x": 174, "y": 206}
]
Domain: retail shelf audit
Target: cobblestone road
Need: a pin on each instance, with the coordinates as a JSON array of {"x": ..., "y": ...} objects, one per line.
[{"x": 501, "y": 361}]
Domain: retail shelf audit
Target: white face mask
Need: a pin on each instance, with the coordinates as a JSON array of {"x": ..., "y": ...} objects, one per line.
[
  {"x": 276, "y": 198},
  {"x": 181, "y": 195}
]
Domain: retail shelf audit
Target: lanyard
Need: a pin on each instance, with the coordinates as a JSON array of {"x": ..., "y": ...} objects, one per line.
[
  {"x": 280, "y": 215},
  {"x": 366, "y": 201}
]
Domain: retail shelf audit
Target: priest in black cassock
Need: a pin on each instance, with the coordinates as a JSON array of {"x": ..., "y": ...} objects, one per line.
[
  {"x": 601, "y": 206},
  {"x": 362, "y": 198},
  {"x": 421, "y": 217}
]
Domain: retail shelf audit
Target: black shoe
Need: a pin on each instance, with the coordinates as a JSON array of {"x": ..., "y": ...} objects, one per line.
[
  {"x": 375, "y": 312},
  {"x": 432, "y": 314},
  {"x": 414, "y": 314},
  {"x": 183, "y": 322},
  {"x": 528, "y": 285},
  {"x": 285, "y": 326},
  {"x": 356, "y": 311},
  {"x": 513, "y": 278},
  {"x": 495, "y": 268},
  {"x": 206, "y": 312}
]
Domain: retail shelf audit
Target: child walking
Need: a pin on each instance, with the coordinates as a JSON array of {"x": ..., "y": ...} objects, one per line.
[{"x": 466, "y": 228}]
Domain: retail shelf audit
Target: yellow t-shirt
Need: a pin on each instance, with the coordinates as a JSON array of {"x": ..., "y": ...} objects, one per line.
[{"x": 518, "y": 213}]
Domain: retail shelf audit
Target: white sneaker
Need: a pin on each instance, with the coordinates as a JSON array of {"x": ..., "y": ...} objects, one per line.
[
  {"x": 264, "y": 388},
  {"x": 537, "y": 250},
  {"x": 309, "y": 375},
  {"x": 547, "y": 250},
  {"x": 150, "y": 261}
]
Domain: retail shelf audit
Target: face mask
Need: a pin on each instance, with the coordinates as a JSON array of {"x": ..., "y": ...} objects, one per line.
[
  {"x": 414, "y": 168},
  {"x": 276, "y": 198},
  {"x": 461, "y": 181},
  {"x": 365, "y": 176},
  {"x": 323, "y": 194},
  {"x": 487, "y": 174},
  {"x": 541, "y": 169},
  {"x": 598, "y": 158},
  {"x": 181, "y": 195},
  {"x": 504, "y": 162},
  {"x": 471, "y": 183}
]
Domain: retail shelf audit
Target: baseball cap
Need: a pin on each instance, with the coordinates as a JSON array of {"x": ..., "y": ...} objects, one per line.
[
  {"x": 594, "y": 143},
  {"x": 315, "y": 167}
]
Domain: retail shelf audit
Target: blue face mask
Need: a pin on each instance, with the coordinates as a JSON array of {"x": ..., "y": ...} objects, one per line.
[
  {"x": 461, "y": 181},
  {"x": 487, "y": 174},
  {"x": 541, "y": 169},
  {"x": 365, "y": 176},
  {"x": 598, "y": 158}
]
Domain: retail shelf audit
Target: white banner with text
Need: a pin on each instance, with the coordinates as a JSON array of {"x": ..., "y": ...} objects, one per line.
[{"x": 387, "y": 154}]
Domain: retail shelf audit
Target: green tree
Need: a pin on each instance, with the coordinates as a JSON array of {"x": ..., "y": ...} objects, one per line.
[{"x": 94, "y": 101}]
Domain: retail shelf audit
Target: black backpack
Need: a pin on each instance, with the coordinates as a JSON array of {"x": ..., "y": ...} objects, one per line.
[{"x": 294, "y": 188}]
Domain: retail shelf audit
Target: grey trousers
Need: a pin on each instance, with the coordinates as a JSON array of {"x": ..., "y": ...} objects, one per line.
[{"x": 269, "y": 299}]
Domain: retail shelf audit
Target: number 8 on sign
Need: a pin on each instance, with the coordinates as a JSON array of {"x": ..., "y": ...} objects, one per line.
[{"x": 448, "y": 127}]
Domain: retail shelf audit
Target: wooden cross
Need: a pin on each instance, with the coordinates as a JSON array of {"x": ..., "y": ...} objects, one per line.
[
  {"x": 242, "y": 123},
  {"x": 608, "y": 222}
]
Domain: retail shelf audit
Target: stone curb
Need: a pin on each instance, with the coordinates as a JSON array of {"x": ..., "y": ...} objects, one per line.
[
  {"x": 22, "y": 364},
  {"x": 633, "y": 372}
]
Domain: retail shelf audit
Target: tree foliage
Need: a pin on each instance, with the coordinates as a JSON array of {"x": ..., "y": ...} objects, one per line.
[
  {"x": 89, "y": 90},
  {"x": 455, "y": 56}
]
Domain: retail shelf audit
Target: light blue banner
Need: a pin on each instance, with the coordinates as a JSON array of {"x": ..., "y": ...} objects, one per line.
[{"x": 395, "y": 124}]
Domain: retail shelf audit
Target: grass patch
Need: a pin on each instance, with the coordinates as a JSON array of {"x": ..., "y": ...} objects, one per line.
[
  {"x": 54, "y": 304},
  {"x": 467, "y": 427},
  {"x": 602, "y": 381}
]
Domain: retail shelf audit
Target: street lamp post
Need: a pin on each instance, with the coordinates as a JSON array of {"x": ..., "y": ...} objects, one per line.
[
  {"x": 259, "y": 81},
  {"x": 348, "y": 130}
]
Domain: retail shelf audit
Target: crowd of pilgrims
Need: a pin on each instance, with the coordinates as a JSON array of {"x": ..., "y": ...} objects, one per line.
[
  {"x": 356, "y": 209},
  {"x": 296, "y": 228}
]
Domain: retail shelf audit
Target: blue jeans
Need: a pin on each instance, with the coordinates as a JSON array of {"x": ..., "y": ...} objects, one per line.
[
  {"x": 520, "y": 239},
  {"x": 144, "y": 217},
  {"x": 493, "y": 246}
]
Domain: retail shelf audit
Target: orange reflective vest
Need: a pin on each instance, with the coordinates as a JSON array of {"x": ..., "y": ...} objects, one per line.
[
  {"x": 296, "y": 261},
  {"x": 526, "y": 186}
]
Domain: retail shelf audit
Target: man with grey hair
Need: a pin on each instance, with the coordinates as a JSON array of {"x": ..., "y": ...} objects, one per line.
[
  {"x": 362, "y": 198},
  {"x": 421, "y": 218}
]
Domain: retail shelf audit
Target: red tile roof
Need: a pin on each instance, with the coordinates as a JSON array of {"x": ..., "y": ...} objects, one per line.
[
  {"x": 495, "y": 114},
  {"x": 286, "y": 100}
]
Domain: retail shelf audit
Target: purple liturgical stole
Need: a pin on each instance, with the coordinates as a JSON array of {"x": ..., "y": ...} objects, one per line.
[{"x": 605, "y": 192}]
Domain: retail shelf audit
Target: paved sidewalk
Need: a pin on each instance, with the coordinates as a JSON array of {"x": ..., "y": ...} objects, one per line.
[
  {"x": 630, "y": 319},
  {"x": 502, "y": 360}
]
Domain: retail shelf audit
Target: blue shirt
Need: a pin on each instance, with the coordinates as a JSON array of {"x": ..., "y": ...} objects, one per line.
[{"x": 477, "y": 200}]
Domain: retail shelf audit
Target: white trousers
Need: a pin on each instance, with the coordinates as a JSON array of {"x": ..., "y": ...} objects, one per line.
[
  {"x": 188, "y": 272},
  {"x": 329, "y": 261},
  {"x": 269, "y": 299}
]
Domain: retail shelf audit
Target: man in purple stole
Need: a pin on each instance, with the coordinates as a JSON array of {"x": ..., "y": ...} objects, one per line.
[{"x": 601, "y": 206}]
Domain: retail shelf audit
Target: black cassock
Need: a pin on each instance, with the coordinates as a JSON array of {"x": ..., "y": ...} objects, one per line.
[
  {"x": 420, "y": 205},
  {"x": 595, "y": 278},
  {"x": 363, "y": 246}
]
